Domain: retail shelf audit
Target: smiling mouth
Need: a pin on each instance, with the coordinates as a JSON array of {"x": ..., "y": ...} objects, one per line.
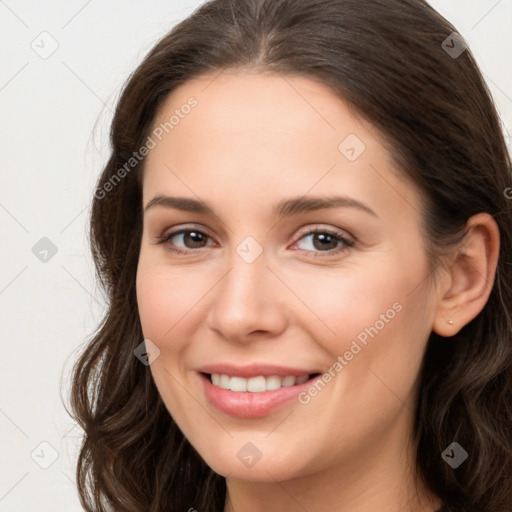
[{"x": 257, "y": 384}]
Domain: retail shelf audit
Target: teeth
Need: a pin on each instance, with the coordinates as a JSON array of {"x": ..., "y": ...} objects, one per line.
[
  {"x": 256, "y": 384},
  {"x": 301, "y": 380},
  {"x": 273, "y": 382},
  {"x": 224, "y": 381},
  {"x": 238, "y": 384},
  {"x": 288, "y": 381}
]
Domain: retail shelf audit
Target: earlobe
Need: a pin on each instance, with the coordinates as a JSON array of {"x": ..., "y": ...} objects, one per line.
[{"x": 471, "y": 276}]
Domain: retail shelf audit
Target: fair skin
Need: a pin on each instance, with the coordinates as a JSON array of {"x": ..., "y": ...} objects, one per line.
[{"x": 253, "y": 140}]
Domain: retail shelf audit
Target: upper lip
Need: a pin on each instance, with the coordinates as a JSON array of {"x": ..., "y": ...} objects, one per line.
[{"x": 254, "y": 370}]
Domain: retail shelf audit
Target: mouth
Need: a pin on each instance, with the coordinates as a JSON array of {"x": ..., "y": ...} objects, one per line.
[
  {"x": 257, "y": 384},
  {"x": 256, "y": 396}
]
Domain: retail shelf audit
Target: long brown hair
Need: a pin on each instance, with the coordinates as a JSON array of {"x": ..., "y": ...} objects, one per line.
[{"x": 389, "y": 60}]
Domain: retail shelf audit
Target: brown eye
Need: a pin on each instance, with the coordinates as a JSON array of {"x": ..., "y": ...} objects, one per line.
[
  {"x": 184, "y": 240},
  {"x": 324, "y": 241},
  {"x": 194, "y": 239}
]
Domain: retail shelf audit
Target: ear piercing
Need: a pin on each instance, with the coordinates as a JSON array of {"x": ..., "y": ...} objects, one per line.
[{"x": 450, "y": 321}]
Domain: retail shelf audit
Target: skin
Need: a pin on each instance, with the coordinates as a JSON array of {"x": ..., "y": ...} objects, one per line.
[{"x": 253, "y": 140}]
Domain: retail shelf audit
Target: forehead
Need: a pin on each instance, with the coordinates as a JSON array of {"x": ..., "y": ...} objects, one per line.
[
  {"x": 267, "y": 106},
  {"x": 282, "y": 135}
]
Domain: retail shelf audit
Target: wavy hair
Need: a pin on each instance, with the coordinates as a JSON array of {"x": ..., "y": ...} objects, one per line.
[{"x": 387, "y": 59}]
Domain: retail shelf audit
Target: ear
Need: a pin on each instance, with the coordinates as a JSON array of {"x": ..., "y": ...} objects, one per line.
[{"x": 467, "y": 284}]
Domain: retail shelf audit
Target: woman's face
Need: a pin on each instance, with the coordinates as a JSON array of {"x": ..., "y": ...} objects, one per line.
[{"x": 303, "y": 259}]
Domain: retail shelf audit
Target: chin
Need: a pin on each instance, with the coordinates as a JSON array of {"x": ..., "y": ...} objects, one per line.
[{"x": 244, "y": 461}]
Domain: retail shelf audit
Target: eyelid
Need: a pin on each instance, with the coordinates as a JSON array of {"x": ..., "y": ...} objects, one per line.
[
  {"x": 302, "y": 231},
  {"x": 341, "y": 235},
  {"x": 180, "y": 228},
  {"x": 324, "y": 228},
  {"x": 347, "y": 241}
]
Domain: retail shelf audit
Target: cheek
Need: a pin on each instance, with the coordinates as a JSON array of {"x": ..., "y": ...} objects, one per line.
[
  {"x": 380, "y": 323},
  {"x": 341, "y": 305},
  {"x": 153, "y": 302},
  {"x": 169, "y": 301},
  {"x": 375, "y": 316},
  {"x": 167, "y": 298}
]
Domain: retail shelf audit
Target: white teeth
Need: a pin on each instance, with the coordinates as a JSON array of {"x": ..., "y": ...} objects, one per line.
[
  {"x": 288, "y": 381},
  {"x": 224, "y": 381},
  {"x": 301, "y": 380},
  {"x": 273, "y": 382},
  {"x": 238, "y": 384},
  {"x": 256, "y": 384}
]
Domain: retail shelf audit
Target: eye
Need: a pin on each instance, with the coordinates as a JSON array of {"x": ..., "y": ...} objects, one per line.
[
  {"x": 190, "y": 238},
  {"x": 322, "y": 240},
  {"x": 319, "y": 240}
]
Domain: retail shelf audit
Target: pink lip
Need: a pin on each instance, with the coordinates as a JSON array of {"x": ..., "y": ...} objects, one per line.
[
  {"x": 254, "y": 370},
  {"x": 247, "y": 404}
]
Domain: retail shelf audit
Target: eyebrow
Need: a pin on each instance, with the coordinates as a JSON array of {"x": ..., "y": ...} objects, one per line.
[{"x": 284, "y": 208}]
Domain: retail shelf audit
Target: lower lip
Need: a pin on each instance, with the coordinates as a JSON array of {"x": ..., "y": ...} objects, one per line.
[{"x": 245, "y": 404}]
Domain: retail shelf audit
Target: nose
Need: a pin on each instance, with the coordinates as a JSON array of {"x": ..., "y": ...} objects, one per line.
[{"x": 248, "y": 302}]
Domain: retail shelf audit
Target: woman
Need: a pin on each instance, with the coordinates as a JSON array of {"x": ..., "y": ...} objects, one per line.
[{"x": 305, "y": 237}]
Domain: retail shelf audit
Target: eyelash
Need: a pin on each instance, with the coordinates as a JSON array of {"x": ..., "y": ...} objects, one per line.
[{"x": 346, "y": 243}]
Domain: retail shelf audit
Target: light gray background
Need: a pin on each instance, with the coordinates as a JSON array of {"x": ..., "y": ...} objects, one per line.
[{"x": 54, "y": 121}]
